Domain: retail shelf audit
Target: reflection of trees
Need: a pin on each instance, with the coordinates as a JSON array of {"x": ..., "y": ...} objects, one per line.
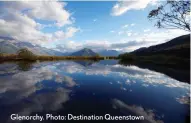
[{"x": 25, "y": 65}]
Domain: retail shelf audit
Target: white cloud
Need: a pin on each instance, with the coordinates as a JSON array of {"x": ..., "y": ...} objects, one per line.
[
  {"x": 146, "y": 30},
  {"x": 41, "y": 26},
  {"x": 20, "y": 30},
  {"x": 121, "y": 32},
  {"x": 132, "y": 24},
  {"x": 129, "y": 42},
  {"x": 123, "y": 6},
  {"x": 162, "y": 35},
  {"x": 18, "y": 21},
  {"x": 69, "y": 46},
  {"x": 129, "y": 34},
  {"x": 71, "y": 31},
  {"x": 45, "y": 10},
  {"x": 125, "y": 26},
  {"x": 112, "y": 31},
  {"x": 96, "y": 44}
]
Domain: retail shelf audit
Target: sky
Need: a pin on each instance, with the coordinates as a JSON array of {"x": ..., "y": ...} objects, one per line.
[{"x": 70, "y": 26}]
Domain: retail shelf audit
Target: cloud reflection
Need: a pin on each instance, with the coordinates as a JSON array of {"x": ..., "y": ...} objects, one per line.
[
  {"x": 8, "y": 68},
  {"x": 183, "y": 100},
  {"x": 43, "y": 102},
  {"x": 149, "y": 115},
  {"x": 65, "y": 79},
  {"x": 21, "y": 92},
  {"x": 24, "y": 83},
  {"x": 132, "y": 73}
]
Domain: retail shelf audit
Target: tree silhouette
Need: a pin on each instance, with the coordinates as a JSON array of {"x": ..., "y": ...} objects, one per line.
[{"x": 172, "y": 15}]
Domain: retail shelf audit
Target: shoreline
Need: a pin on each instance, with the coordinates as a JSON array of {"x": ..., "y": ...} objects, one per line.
[{"x": 15, "y": 57}]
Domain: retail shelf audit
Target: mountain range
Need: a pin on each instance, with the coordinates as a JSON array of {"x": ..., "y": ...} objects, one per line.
[
  {"x": 10, "y": 45},
  {"x": 84, "y": 52},
  {"x": 179, "y": 46}
]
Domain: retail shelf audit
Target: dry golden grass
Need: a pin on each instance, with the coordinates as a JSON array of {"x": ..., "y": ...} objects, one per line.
[
  {"x": 4, "y": 57},
  {"x": 8, "y": 57}
]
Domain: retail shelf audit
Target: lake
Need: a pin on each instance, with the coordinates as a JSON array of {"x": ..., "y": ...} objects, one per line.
[{"x": 90, "y": 88}]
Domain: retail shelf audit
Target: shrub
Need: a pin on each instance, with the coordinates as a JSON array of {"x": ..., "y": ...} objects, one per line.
[{"x": 26, "y": 54}]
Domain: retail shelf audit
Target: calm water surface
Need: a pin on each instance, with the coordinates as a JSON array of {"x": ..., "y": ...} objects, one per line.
[{"x": 85, "y": 87}]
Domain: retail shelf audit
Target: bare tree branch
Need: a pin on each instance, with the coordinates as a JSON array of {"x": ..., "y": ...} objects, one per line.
[{"x": 173, "y": 14}]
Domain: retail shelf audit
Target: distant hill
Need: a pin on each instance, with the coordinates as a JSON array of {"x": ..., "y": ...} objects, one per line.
[
  {"x": 9, "y": 45},
  {"x": 84, "y": 52},
  {"x": 179, "y": 46},
  {"x": 109, "y": 53}
]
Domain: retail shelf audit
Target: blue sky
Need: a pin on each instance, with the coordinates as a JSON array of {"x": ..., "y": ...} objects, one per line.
[{"x": 70, "y": 26}]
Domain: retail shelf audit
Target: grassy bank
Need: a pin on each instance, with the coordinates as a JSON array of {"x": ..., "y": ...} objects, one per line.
[{"x": 7, "y": 57}]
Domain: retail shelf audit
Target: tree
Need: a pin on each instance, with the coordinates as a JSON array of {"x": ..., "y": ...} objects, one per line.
[
  {"x": 172, "y": 15},
  {"x": 26, "y": 54}
]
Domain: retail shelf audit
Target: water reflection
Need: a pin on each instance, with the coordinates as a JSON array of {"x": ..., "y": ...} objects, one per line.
[
  {"x": 179, "y": 73},
  {"x": 148, "y": 114},
  {"x": 8, "y": 68},
  {"x": 25, "y": 65},
  {"x": 42, "y": 102},
  {"x": 77, "y": 87},
  {"x": 22, "y": 92},
  {"x": 86, "y": 63},
  {"x": 132, "y": 74}
]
